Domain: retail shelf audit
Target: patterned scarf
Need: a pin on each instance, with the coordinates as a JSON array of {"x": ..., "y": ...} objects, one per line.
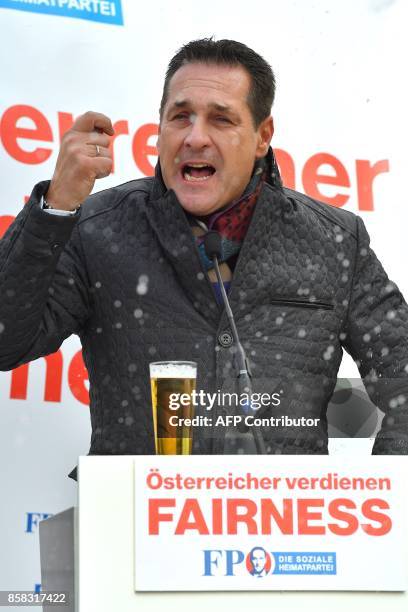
[{"x": 232, "y": 222}]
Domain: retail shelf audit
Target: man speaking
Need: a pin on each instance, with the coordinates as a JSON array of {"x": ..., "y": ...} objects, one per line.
[{"x": 127, "y": 270}]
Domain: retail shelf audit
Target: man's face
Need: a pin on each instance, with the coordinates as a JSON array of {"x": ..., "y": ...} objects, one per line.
[
  {"x": 258, "y": 560},
  {"x": 207, "y": 140}
]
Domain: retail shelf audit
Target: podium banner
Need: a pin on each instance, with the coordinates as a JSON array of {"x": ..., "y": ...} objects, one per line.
[{"x": 270, "y": 523}]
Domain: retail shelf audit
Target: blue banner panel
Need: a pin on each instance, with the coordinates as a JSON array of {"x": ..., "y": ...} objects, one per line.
[
  {"x": 317, "y": 563},
  {"x": 103, "y": 11}
]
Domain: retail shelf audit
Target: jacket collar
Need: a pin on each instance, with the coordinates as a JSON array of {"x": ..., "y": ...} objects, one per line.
[{"x": 171, "y": 226}]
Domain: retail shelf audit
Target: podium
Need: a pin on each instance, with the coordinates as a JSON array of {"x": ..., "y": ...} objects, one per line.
[{"x": 90, "y": 550}]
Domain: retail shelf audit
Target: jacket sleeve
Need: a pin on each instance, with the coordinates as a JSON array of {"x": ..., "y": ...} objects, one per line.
[
  {"x": 376, "y": 336},
  {"x": 44, "y": 290}
]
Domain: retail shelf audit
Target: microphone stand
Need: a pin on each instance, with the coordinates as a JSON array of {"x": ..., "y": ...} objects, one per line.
[{"x": 241, "y": 361}]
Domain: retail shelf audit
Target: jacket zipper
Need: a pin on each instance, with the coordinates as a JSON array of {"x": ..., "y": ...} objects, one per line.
[{"x": 302, "y": 304}]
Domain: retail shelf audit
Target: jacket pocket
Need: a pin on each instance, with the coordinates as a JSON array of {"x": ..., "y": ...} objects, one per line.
[{"x": 301, "y": 303}]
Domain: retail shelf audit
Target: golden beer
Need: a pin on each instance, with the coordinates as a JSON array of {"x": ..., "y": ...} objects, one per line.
[{"x": 172, "y": 383}]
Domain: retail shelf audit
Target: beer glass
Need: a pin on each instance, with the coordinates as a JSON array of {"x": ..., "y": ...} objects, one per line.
[{"x": 172, "y": 383}]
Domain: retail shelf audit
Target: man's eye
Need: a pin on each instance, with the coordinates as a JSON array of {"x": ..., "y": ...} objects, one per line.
[
  {"x": 223, "y": 119},
  {"x": 180, "y": 116}
]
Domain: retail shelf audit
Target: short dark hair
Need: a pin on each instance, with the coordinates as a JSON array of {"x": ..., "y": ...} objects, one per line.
[
  {"x": 251, "y": 554},
  {"x": 228, "y": 53}
]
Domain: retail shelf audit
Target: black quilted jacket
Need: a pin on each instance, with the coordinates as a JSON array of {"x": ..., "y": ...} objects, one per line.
[{"x": 125, "y": 275}]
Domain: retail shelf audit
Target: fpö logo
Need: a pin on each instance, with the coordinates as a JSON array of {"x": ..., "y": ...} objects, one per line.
[
  {"x": 260, "y": 563},
  {"x": 104, "y": 11}
]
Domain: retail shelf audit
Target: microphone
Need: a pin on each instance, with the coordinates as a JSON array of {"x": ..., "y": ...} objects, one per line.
[{"x": 213, "y": 250}]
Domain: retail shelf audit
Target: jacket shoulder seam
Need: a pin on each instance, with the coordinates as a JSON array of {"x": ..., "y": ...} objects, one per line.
[
  {"x": 315, "y": 206},
  {"x": 120, "y": 198}
]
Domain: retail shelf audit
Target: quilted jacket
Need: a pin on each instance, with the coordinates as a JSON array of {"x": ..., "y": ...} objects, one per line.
[{"x": 124, "y": 274}]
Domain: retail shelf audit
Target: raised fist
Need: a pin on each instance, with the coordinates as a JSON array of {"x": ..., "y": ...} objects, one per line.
[{"x": 84, "y": 156}]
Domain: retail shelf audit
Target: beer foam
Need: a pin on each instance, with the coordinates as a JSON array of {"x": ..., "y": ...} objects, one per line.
[{"x": 173, "y": 369}]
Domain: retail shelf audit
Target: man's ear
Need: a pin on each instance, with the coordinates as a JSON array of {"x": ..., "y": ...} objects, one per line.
[{"x": 265, "y": 132}]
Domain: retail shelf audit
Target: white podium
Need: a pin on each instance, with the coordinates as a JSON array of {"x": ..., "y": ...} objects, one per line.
[{"x": 90, "y": 550}]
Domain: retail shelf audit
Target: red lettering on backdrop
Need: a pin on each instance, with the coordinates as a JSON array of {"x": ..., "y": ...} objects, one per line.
[
  {"x": 65, "y": 123},
  {"x": 256, "y": 517},
  {"x": 77, "y": 375},
  {"x": 191, "y": 517},
  {"x": 234, "y": 517},
  {"x": 286, "y": 168},
  {"x": 384, "y": 520},
  {"x": 121, "y": 128},
  {"x": 284, "y": 521},
  {"x": 141, "y": 150},
  {"x": 311, "y": 178},
  {"x": 5, "y": 221},
  {"x": 305, "y": 515},
  {"x": 217, "y": 516},
  {"x": 156, "y": 517},
  {"x": 366, "y": 174},
  {"x": 53, "y": 379},
  {"x": 10, "y": 133},
  {"x": 350, "y": 520}
]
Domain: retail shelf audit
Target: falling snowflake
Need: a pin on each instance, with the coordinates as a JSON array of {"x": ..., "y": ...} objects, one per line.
[
  {"x": 328, "y": 352},
  {"x": 142, "y": 286}
]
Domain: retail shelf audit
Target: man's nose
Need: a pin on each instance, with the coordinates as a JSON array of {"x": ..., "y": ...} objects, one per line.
[{"x": 198, "y": 136}]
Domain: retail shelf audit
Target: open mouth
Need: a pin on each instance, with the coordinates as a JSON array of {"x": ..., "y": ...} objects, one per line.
[{"x": 197, "y": 172}]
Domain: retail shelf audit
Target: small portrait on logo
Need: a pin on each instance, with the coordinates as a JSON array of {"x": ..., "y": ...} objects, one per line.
[{"x": 258, "y": 562}]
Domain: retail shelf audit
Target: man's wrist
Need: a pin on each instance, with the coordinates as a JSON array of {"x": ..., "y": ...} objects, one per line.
[{"x": 57, "y": 211}]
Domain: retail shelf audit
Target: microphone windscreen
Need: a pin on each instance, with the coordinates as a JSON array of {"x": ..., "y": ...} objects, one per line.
[{"x": 212, "y": 245}]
